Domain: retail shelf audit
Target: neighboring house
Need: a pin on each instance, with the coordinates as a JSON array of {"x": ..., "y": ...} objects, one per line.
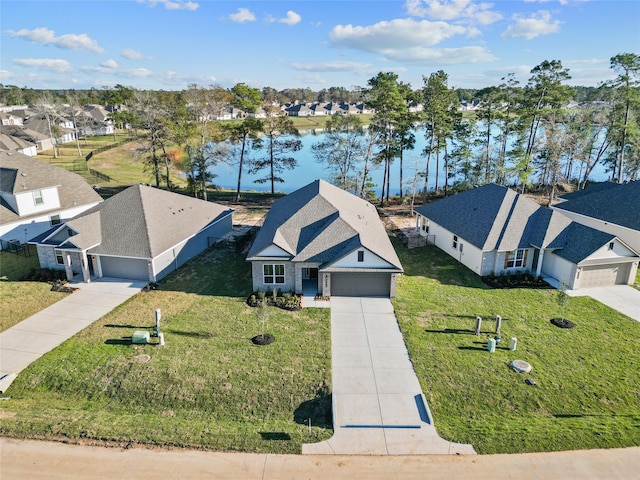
[
  {"x": 94, "y": 120},
  {"x": 142, "y": 233},
  {"x": 323, "y": 240},
  {"x": 493, "y": 230},
  {"x": 17, "y": 144},
  {"x": 61, "y": 129},
  {"x": 34, "y": 196},
  {"x": 42, "y": 141},
  {"x": 608, "y": 206}
]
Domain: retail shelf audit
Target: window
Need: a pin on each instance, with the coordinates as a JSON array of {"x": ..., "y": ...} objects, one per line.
[
  {"x": 54, "y": 220},
  {"x": 454, "y": 245},
  {"x": 37, "y": 197},
  {"x": 360, "y": 256},
  {"x": 273, "y": 274},
  {"x": 425, "y": 226},
  {"x": 59, "y": 257},
  {"x": 515, "y": 259},
  {"x": 611, "y": 246}
]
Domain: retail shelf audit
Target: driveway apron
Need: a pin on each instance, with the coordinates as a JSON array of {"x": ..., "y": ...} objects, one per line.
[
  {"x": 378, "y": 405},
  {"x": 27, "y": 341},
  {"x": 622, "y": 298}
]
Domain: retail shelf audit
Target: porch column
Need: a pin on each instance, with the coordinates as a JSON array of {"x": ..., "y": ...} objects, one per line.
[
  {"x": 539, "y": 266},
  {"x": 86, "y": 274},
  {"x": 67, "y": 266}
]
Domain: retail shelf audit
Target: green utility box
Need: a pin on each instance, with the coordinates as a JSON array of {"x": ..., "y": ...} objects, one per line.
[{"x": 141, "y": 336}]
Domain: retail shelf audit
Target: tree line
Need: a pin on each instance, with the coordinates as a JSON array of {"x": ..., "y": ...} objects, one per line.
[{"x": 536, "y": 133}]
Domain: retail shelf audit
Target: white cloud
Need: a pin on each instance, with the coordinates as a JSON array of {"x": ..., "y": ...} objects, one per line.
[
  {"x": 109, "y": 64},
  {"x": 537, "y": 24},
  {"x": 55, "y": 65},
  {"x": 332, "y": 67},
  {"x": 242, "y": 15},
  {"x": 466, "y": 10},
  {"x": 291, "y": 19},
  {"x": 172, "y": 4},
  {"x": 70, "y": 41},
  {"x": 440, "y": 56},
  {"x": 392, "y": 35},
  {"x": 140, "y": 72},
  {"x": 131, "y": 54}
]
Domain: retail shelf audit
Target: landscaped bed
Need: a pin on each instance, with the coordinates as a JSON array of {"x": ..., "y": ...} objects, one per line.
[
  {"x": 586, "y": 391},
  {"x": 209, "y": 386}
]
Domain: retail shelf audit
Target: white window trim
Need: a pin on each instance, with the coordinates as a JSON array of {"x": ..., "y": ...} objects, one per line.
[
  {"x": 516, "y": 258},
  {"x": 38, "y": 199},
  {"x": 275, "y": 275},
  {"x": 59, "y": 256},
  {"x": 454, "y": 245}
]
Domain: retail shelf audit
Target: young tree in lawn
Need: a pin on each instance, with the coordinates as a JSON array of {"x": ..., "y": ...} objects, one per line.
[
  {"x": 625, "y": 125},
  {"x": 342, "y": 149},
  {"x": 281, "y": 139}
]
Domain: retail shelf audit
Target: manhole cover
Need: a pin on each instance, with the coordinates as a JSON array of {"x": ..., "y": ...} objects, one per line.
[
  {"x": 144, "y": 358},
  {"x": 521, "y": 366}
]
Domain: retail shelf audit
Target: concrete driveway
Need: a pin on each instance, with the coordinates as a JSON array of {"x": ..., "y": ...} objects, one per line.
[
  {"x": 378, "y": 405},
  {"x": 27, "y": 341},
  {"x": 622, "y": 298}
]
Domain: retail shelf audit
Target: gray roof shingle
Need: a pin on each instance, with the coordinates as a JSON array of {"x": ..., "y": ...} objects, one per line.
[
  {"x": 493, "y": 217},
  {"x": 19, "y": 172},
  {"x": 143, "y": 222},
  {"x": 617, "y": 203},
  {"x": 321, "y": 223}
]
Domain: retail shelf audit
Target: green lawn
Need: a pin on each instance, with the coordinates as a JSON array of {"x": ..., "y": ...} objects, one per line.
[
  {"x": 208, "y": 387},
  {"x": 20, "y": 300},
  {"x": 587, "y": 392}
]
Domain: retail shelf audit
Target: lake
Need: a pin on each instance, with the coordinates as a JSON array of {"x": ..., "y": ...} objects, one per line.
[{"x": 309, "y": 169}]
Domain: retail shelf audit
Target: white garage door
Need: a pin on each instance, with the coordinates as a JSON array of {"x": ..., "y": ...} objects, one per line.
[
  {"x": 129, "y": 268},
  {"x": 603, "y": 275},
  {"x": 360, "y": 284}
]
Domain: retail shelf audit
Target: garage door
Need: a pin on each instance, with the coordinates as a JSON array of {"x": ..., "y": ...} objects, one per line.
[
  {"x": 602, "y": 275},
  {"x": 130, "y": 268},
  {"x": 360, "y": 284}
]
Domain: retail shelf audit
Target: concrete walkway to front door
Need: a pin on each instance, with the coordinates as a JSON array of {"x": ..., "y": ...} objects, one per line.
[
  {"x": 27, "y": 341},
  {"x": 378, "y": 405}
]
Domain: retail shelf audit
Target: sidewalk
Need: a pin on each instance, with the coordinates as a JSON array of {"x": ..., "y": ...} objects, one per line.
[
  {"x": 27, "y": 341},
  {"x": 35, "y": 460}
]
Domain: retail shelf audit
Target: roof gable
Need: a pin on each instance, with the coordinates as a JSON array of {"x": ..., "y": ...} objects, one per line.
[{"x": 321, "y": 221}]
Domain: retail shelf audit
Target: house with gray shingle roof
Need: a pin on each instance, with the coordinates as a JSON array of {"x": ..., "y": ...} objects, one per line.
[
  {"x": 608, "y": 206},
  {"x": 493, "y": 230},
  {"x": 323, "y": 240},
  {"x": 34, "y": 196},
  {"x": 142, "y": 233}
]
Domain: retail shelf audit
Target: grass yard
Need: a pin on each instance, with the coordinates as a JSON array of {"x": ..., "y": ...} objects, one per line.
[
  {"x": 208, "y": 387},
  {"x": 587, "y": 392},
  {"x": 20, "y": 300}
]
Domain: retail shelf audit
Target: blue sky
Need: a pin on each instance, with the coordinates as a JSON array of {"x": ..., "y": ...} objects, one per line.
[{"x": 169, "y": 44}]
